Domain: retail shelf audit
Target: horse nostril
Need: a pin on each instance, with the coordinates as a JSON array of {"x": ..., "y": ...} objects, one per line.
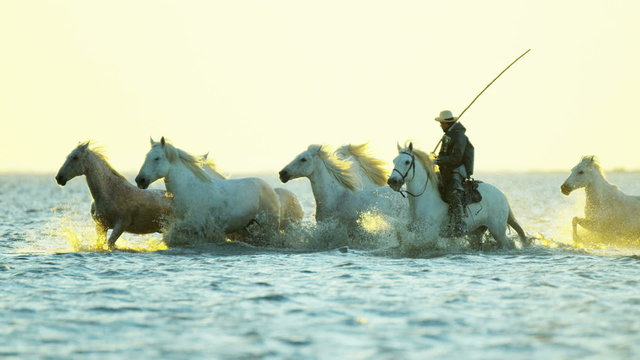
[
  {"x": 284, "y": 176},
  {"x": 141, "y": 181}
]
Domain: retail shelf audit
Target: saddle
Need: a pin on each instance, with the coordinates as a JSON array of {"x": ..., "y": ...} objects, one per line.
[{"x": 471, "y": 195}]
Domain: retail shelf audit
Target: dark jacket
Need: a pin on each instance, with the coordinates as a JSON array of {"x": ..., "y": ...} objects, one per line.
[{"x": 456, "y": 150}]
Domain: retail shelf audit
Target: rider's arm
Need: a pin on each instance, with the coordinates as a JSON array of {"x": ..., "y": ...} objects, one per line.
[{"x": 454, "y": 158}]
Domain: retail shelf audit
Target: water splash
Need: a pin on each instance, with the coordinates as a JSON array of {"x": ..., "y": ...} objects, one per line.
[{"x": 72, "y": 233}]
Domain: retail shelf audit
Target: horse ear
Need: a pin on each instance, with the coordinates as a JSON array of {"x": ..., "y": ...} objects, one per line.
[
  {"x": 84, "y": 146},
  {"x": 152, "y": 141},
  {"x": 411, "y": 146},
  {"x": 398, "y": 145},
  {"x": 162, "y": 142}
]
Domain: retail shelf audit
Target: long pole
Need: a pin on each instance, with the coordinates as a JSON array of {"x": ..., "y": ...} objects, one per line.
[{"x": 483, "y": 90}]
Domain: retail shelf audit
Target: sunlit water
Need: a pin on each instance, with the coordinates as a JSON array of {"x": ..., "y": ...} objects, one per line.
[{"x": 64, "y": 296}]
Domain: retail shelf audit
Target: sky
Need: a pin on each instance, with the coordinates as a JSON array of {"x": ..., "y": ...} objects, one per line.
[{"x": 255, "y": 82}]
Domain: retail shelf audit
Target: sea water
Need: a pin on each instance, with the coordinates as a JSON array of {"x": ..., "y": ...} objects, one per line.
[{"x": 64, "y": 296}]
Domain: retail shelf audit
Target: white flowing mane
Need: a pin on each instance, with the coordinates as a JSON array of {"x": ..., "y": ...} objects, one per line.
[
  {"x": 375, "y": 169},
  {"x": 193, "y": 163},
  {"x": 339, "y": 169},
  {"x": 98, "y": 151},
  {"x": 428, "y": 162}
]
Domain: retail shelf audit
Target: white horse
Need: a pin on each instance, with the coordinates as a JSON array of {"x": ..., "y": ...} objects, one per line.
[
  {"x": 370, "y": 171},
  {"x": 417, "y": 170},
  {"x": 117, "y": 204},
  {"x": 334, "y": 187},
  {"x": 607, "y": 210},
  {"x": 291, "y": 212},
  {"x": 231, "y": 204}
]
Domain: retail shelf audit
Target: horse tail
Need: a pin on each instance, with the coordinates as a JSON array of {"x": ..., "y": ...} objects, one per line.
[{"x": 511, "y": 221}]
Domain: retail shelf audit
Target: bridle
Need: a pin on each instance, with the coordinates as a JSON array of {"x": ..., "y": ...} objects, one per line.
[{"x": 412, "y": 166}]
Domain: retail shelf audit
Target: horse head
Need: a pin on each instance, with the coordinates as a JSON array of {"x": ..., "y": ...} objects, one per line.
[
  {"x": 582, "y": 175},
  {"x": 156, "y": 165},
  {"x": 403, "y": 168},
  {"x": 74, "y": 165},
  {"x": 302, "y": 165}
]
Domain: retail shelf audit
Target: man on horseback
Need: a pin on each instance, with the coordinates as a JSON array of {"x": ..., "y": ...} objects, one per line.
[{"x": 455, "y": 161}]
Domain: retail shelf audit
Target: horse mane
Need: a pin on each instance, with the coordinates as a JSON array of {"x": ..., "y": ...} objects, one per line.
[
  {"x": 211, "y": 165},
  {"x": 340, "y": 169},
  {"x": 372, "y": 167},
  {"x": 98, "y": 151},
  {"x": 193, "y": 163},
  {"x": 428, "y": 162}
]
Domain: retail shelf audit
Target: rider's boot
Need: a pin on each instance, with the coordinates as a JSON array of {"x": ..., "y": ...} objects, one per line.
[{"x": 456, "y": 226}]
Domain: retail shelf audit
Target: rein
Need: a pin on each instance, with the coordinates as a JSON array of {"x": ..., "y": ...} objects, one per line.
[{"x": 412, "y": 166}]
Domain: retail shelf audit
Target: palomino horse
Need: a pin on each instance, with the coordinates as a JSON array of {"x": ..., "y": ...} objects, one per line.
[
  {"x": 608, "y": 210},
  {"x": 370, "y": 171},
  {"x": 416, "y": 169},
  {"x": 117, "y": 204},
  {"x": 334, "y": 187},
  {"x": 231, "y": 204}
]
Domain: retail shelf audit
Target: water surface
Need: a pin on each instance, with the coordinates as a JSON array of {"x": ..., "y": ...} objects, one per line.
[{"x": 63, "y": 297}]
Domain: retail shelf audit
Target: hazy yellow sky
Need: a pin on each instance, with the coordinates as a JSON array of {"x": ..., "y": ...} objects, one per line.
[{"x": 255, "y": 82}]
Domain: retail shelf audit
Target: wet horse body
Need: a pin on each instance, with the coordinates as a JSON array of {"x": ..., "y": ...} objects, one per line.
[
  {"x": 232, "y": 204},
  {"x": 117, "y": 204},
  {"x": 291, "y": 212}
]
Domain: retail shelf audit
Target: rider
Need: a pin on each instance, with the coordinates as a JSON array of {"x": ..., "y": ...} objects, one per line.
[{"x": 455, "y": 161}]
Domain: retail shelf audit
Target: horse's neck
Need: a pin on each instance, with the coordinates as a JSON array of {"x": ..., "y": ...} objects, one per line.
[
  {"x": 599, "y": 191},
  {"x": 326, "y": 189},
  {"x": 427, "y": 201},
  {"x": 183, "y": 183},
  {"x": 101, "y": 180}
]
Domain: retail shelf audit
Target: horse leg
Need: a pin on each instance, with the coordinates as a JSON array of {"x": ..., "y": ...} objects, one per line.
[
  {"x": 499, "y": 232},
  {"x": 574, "y": 225},
  {"x": 118, "y": 229},
  {"x": 475, "y": 237},
  {"x": 101, "y": 232},
  {"x": 586, "y": 224},
  {"x": 101, "y": 226}
]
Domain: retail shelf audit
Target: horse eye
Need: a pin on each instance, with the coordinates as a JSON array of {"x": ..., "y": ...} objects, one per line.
[
  {"x": 157, "y": 159},
  {"x": 75, "y": 157},
  {"x": 580, "y": 172},
  {"x": 303, "y": 159},
  {"x": 406, "y": 162}
]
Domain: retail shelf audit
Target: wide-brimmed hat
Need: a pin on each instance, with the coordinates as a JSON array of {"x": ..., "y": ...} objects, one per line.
[{"x": 446, "y": 117}]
